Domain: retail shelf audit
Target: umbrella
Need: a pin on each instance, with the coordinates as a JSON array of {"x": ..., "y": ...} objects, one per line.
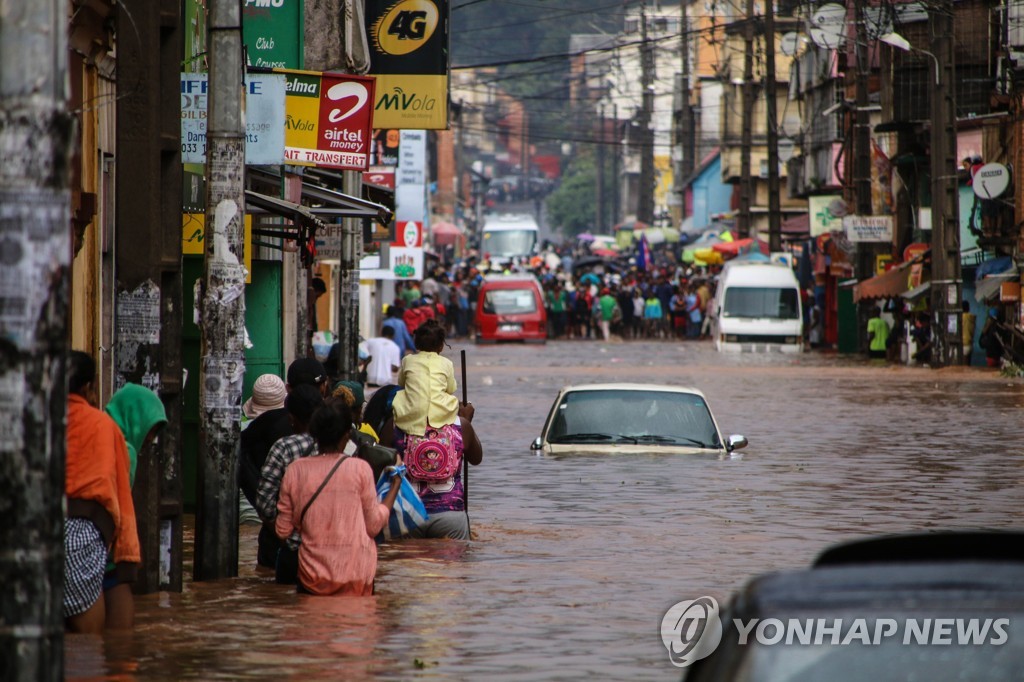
[
  {"x": 605, "y": 253},
  {"x": 590, "y": 278},
  {"x": 634, "y": 225},
  {"x": 585, "y": 237}
]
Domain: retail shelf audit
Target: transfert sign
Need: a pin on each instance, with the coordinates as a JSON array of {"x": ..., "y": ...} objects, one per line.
[
  {"x": 328, "y": 119},
  {"x": 264, "y": 118},
  {"x": 409, "y": 56}
]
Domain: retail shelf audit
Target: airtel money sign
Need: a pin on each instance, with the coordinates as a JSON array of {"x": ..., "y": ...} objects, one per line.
[{"x": 328, "y": 119}]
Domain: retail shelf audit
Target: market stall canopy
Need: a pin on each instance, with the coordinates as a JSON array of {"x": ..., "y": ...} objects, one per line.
[{"x": 737, "y": 246}]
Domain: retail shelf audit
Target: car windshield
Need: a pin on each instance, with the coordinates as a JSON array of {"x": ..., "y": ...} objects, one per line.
[
  {"x": 646, "y": 417},
  {"x": 503, "y": 243},
  {"x": 771, "y": 302},
  {"x": 510, "y": 302}
]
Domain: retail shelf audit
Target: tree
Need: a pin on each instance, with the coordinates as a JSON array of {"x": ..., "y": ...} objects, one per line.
[{"x": 572, "y": 208}]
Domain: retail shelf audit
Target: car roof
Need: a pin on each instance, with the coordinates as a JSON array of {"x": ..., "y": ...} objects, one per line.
[
  {"x": 633, "y": 387},
  {"x": 912, "y": 568},
  {"x": 881, "y": 587}
]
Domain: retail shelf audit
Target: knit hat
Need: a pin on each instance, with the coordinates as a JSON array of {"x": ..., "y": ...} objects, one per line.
[
  {"x": 267, "y": 394},
  {"x": 357, "y": 391}
]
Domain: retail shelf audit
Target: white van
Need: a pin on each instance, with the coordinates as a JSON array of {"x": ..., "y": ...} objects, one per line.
[
  {"x": 757, "y": 308},
  {"x": 507, "y": 237}
]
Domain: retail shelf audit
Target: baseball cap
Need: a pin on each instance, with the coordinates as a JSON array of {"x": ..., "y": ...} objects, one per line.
[{"x": 306, "y": 371}]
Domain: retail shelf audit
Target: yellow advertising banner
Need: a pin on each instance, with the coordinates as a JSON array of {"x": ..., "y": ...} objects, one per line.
[
  {"x": 409, "y": 48},
  {"x": 193, "y": 231},
  {"x": 411, "y": 102}
]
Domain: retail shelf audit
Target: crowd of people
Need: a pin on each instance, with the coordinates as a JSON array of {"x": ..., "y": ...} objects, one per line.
[
  {"x": 664, "y": 301},
  {"x": 301, "y": 443}
]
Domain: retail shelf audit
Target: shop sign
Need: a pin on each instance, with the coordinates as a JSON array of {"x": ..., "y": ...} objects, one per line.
[
  {"x": 381, "y": 178},
  {"x": 868, "y": 228},
  {"x": 384, "y": 151},
  {"x": 193, "y": 232},
  {"x": 408, "y": 42},
  {"x": 272, "y": 32},
  {"x": 264, "y": 118},
  {"x": 403, "y": 264},
  {"x": 824, "y": 216},
  {"x": 328, "y": 119}
]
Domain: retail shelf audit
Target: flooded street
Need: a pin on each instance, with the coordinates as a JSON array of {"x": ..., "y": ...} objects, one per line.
[{"x": 575, "y": 559}]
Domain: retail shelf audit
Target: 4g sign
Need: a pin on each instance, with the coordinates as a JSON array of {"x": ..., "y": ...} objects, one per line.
[
  {"x": 409, "y": 57},
  {"x": 407, "y": 26}
]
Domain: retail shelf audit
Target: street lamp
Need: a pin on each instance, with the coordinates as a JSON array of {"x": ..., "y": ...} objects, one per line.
[{"x": 901, "y": 43}]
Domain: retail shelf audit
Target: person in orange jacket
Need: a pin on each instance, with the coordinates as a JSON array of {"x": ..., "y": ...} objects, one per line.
[{"x": 100, "y": 512}]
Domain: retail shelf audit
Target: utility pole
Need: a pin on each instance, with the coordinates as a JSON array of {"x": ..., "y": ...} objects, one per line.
[
  {"x": 348, "y": 301},
  {"x": 862, "y": 164},
  {"x": 687, "y": 132},
  {"x": 147, "y": 316},
  {"x": 616, "y": 186},
  {"x": 645, "y": 199},
  {"x": 946, "y": 285},
  {"x": 600, "y": 222},
  {"x": 222, "y": 354},
  {"x": 747, "y": 187},
  {"x": 36, "y": 143},
  {"x": 772, "y": 126}
]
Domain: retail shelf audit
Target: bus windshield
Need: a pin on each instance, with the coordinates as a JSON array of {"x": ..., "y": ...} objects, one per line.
[
  {"x": 763, "y": 302},
  {"x": 508, "y": 243}
]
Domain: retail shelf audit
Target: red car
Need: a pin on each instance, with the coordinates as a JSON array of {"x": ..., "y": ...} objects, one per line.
[{"x": 511, "y": 308}]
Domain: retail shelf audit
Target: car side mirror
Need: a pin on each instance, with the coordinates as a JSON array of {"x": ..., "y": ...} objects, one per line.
[
  {"x": 736, "y": 443},
  {"x": 537, "y": 444}
]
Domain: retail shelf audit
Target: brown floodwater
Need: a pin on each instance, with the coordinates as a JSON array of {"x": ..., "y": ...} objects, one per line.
[{"x": 575, "y": 560}]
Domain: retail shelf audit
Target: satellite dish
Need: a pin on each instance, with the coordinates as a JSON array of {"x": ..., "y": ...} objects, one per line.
[
  {"x": 786, "y": 148},
  {"x": 828, "y": 26},
  {"x": 991, "y": 181},
  {"x": 790, "y": 43}
]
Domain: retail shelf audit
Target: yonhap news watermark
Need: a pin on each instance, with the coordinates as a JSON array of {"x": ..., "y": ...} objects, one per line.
[{"x": 693, "y": 629}]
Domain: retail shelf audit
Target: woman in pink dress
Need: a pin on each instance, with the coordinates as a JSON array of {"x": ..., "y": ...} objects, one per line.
[{"x": 338, "y": 554}]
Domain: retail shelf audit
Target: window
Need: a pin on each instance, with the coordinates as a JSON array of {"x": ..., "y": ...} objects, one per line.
[{"x": 766, "y": 302}]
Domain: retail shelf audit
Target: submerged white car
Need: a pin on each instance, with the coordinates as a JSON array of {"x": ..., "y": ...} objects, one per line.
[{"x": 632, "y": 418}]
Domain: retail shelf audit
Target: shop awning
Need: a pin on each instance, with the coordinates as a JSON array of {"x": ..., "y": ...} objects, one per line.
[
  {"x": 331, "y": 203},
  {"x": 989, "y": 286},
  {"x": 917, "y": 292},
  {"x": 337, "y": 205},
  {"x": 888, "y": 284},
  {"x": 258, "y": 204},
  {"x": 797, "y": 225},
  {"x": 305, "y": 223}
]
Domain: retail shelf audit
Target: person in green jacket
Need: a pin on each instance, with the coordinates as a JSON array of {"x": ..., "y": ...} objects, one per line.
[{"x": 139, "y": 413}]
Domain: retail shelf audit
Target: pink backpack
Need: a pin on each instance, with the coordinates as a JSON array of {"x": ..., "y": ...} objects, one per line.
[{"x": 431, "y": 457}]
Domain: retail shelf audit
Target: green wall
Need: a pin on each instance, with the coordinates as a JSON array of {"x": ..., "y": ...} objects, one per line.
[{"x": 263, "y": 322}]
